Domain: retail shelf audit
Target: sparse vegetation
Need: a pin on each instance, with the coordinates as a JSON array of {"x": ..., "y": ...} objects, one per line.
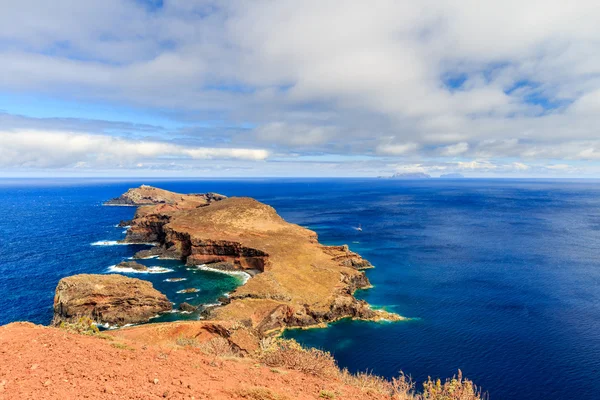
[
  {"x": 122, "y": 346},
  {"x": 217, "y": 347},
  {"x": 83, "y": 326},
  {"x": 289, "y": 354},
  {"x": 260, "y": 393},
  {"x": 326, "y": 394},
  {"x": 276, "y": 352},
  {"x": 187, "y": 341}
]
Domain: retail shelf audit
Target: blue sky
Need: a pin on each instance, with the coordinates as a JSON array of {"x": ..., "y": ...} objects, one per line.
[{"x": 238, "y": 88}]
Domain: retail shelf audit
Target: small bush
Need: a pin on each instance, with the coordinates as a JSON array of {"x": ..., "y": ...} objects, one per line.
[
  {"x": 83, "y": 326},
  {"x": 217, "y": 347},
  {"x": 455, "y": 388},
  {"x": 186, "y": 341},
  {"x": 122, "y": 346},
  {"x": 366, "y": 381},
  {"x": 326, "y": 394},
  {"x": 260, "y": 393},
  {"x": 289, "y": 354}
]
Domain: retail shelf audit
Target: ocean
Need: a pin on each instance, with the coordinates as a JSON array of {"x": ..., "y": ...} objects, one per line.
[{"x": 501, "y": 278}]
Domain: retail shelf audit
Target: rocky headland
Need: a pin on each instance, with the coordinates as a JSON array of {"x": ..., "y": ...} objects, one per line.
[
  {"x": 296, "y": 281},
  {"x": 107, "y": 299}
]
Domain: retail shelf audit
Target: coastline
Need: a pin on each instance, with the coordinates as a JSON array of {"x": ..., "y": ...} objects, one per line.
[{"x": 288, "y": 278}]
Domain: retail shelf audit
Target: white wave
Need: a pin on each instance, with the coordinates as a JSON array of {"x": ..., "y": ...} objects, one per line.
[
  {"x": 110, "y": 327},
  {"x": 175, "y": 311},
  {"x": 125, "y": 226},
  {"x": 212, "y": 304},
  {"x": 175, "y": 279},
  {"x": 241, "y": 274},
  {"x": 193, "y": 290},
  {"x": 118, "y": 243},
  {"x": 150, "y": 270},
  {"x": 141, "y": 258}
]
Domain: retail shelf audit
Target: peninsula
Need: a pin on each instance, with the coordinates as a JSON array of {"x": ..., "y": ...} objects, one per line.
[{"x": 295, "y": 281}]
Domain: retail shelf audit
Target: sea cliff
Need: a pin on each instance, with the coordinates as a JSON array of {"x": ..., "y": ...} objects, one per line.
[{"x": 295, "y": 281}]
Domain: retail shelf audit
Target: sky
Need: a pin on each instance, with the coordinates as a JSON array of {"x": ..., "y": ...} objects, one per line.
[{"x": 281, "y": 88}]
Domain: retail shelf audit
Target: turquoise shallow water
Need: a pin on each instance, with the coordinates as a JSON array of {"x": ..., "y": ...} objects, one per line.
[{"x": 502, "y": 277}]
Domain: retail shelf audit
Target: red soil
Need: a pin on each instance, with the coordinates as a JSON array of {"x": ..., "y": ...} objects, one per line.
[{"x": 39, "y": 362}]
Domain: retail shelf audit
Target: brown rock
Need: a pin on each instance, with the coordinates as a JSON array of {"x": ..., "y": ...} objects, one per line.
[
  {"x": 187, "y": 307},
  {"x": 112, "y": 299},
  {"x": 133, "y": 265}
]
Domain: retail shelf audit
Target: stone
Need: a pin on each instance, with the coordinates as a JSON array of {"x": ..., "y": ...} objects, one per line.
[{"x": 107, "y": 299}]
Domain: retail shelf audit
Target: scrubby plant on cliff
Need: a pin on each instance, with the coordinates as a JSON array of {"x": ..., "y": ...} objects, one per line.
[
  {"x": 277, "y": 352},
  {"x": 83, "y": 326},
  {"x": 289, "y": 354},
  {"x": 456, "y": 388}
]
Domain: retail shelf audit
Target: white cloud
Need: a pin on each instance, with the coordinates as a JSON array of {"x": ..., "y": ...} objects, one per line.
[
  {"x": 455, "y": 149},
  {"x": 507, "y": 81},
  {"x": 39, "y": 149},
  {"x": 397, "y": 149}
]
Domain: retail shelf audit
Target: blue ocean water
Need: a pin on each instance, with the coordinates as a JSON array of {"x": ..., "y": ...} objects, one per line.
[{"x": 501, "y": 278}]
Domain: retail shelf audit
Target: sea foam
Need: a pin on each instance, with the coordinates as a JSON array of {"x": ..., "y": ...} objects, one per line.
[
  {"x": 150, "y": 270},
  {"x": 118, "y": 243},
  {"x": 241, "y": 274}
]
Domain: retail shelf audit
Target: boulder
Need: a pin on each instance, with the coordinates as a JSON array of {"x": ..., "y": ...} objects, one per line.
[
  {"x": 133, "y": 265},
  {"x": 187, "y": 307},
  {"x": 107, "y": 299}
]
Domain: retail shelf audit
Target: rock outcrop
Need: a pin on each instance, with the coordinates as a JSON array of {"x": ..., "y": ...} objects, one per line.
[
  {"x": 295, "y": 281},
  {"x": 148, "y": 195},
  {"x": 107, "y": 299},
  {"x": 132, "y": 265},
  {"x": 187, "y": 307}
]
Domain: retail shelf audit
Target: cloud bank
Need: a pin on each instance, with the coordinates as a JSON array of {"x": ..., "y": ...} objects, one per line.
[
  {"x": 38, "y": 149},
  {"x": 441, "y": 82}
]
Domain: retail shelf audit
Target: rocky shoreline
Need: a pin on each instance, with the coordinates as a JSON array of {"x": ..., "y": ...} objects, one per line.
[{"x": 293, "y": 280}]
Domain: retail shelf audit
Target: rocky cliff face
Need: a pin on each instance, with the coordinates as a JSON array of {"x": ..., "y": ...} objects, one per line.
[
  {"x": 111, "y": 299},
  {"x": 300, "y": 282},
  {"x": 148, "y": 195}
]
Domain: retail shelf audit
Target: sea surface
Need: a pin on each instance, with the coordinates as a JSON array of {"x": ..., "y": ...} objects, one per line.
[{"x": 501, "y": 278}]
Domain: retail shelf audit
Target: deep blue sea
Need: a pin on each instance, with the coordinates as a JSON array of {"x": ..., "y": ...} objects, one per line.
[{"x": 501, "y": 278}]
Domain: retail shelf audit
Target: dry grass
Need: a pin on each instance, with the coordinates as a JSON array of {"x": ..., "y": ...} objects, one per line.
[
  {"x": 260, "y": 393},
  {"x": 83, "y": 326},
  {"x": 187, "y": 341},
  {"x": 289, "y": 354},
  {"x": 217, "y": 347}
]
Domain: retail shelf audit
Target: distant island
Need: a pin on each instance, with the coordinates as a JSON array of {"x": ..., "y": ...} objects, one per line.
[
  {"x": 411, "y": 175},
  {"x": 452, "y": 176},
  {"x": 422, "y": 175}
]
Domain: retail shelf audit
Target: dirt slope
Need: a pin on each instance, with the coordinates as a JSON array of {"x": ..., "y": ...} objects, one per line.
[{"x": 48, "y": 363}]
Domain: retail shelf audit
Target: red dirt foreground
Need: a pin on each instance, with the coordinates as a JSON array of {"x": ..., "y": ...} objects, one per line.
[{"x": 39, "y": 362}]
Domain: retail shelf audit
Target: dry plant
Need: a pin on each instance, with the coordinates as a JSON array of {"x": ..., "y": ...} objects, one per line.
[
  {"x": 277, "y": 352},
  {"x": 83, "y": 326},
  {"x": 289, "y": 354},
  {"x": 455, "y": 388},
  {"x": 187, "y": 341},
  {"x": 217, "y": 347},
  {"x": 260, "y": 393}
]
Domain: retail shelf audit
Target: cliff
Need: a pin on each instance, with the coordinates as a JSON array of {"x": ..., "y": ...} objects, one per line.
[
  {"x": 107, "y": 299},
  {"x": 296, "y": 281}
]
